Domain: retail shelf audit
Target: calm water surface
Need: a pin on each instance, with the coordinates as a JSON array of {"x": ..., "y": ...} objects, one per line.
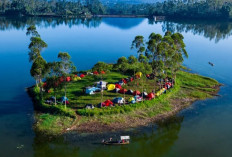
[{"x": 204, "y": 129}]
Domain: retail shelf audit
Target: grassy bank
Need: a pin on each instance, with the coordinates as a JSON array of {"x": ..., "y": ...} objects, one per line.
[{"x": 189, "y": 88}]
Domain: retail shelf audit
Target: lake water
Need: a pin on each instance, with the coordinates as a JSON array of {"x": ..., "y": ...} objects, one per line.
[{"x": 204, "y": 129}]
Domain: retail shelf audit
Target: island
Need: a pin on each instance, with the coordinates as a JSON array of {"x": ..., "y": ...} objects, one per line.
[{"x": 133, "y": 92}]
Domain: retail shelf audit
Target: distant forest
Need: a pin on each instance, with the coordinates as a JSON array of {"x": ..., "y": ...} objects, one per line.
[{"x": 199, "y": 9}]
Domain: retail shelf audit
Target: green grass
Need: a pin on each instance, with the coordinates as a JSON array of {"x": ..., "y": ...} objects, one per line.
[
  {"x": 188, "y": 86},
  {"x": 53, "y": 124}
]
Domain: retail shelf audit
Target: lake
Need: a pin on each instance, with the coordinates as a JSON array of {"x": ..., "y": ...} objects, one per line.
[{"x": 203, "y": 129}]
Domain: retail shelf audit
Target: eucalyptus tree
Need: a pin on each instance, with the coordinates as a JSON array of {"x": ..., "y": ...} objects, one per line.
[
  {"x": 180, "y": 51},
  {"x": 138, "y": 44},
  {"x": 38, "y": 71},
  {"x": 152, "y": 53},
  {"x": 66, "y": 67},
  {"x": 53, "y": 77}
]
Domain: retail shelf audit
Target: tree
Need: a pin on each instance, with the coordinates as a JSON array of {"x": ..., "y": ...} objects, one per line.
[
  {"x": 138, "y": 44},
  {"x": 38, "y": 70},
  {"x": 53, "y": 78},
  {"x": 66, "y": 67}
]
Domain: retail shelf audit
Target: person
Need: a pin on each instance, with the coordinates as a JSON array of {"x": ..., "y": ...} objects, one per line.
[{"x": 111, "y": 139}]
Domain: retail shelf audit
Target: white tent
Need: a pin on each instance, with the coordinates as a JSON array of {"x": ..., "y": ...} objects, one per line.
[{"x": 101, "y": 84}]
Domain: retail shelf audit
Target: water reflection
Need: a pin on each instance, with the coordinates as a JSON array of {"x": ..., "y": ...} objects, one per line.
[
  {"x": 213, "y": 30},
  {"x": 149, "y": 141}
]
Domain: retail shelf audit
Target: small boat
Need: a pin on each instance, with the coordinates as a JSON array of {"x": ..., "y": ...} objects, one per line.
[
  {"x": 211, "y": 63},
  {"x": 123, "y": 141}
]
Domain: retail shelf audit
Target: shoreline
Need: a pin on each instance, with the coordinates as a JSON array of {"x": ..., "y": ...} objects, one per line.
[
  {"x": 190, "y": 88},
  {"x": 178, "y": 105}
]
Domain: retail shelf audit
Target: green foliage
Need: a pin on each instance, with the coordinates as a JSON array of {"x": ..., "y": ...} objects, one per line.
[{"x": 36, "y": 90}]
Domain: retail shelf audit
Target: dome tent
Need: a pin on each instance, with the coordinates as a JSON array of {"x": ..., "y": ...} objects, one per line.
[
  {"x": 110, "y": 87},
  {"x": 119, "y": 100},
  {"x": 122, "y": 91},
  {"x": 136, "y": 92},
  {"x": 139, "y": 74},
  {"x": 151, "y": 96}
]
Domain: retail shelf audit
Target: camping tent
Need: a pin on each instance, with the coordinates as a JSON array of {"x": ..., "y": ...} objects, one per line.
[
  {"x": 116, "y": 90},
  {"x": 68, "y": 79},
  {"x": 91, "y": 90},
  {"x": 110, "y": 87},
  {"x": 119, "y": 100},
  {"x": 132, "y": 100},
  {"x": 76, "y": 78},
  {"x": 122, "y": 91},
  {"x": 108, "y": 103},
  {"x": 138, "y": 98},
  {"x": 144, "y": 94},
  {"x": 139, "y": 74},
  {"x": 95, "y": 73},
  {"x": 130, "y": 91},
  {"x": 136, "y": 92},
  {"x": 118, "y": 86},
  {"x": 103, "y": 72},
  {"x": 82, "y": 75},
  {"x": 124, "y": 81},
  {"x": 120, "y": 83},
  {"x": 101, "y": 84},
  {"x": 151, "y": 96},
  {"x": 63, "y": 99}
]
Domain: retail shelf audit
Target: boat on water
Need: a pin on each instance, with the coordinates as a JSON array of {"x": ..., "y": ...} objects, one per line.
[
  {"x": 123, "y": 141},
  {"x": 210, "y": 63}
]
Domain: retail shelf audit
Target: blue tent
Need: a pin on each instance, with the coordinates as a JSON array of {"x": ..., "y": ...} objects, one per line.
[
  {"x": 91, "y": 90},
  {"x": 118, "y": 100},
  {"x": 64, "y": 99}
]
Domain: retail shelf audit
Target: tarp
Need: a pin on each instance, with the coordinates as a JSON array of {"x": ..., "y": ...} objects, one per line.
[
  {"x": 122, "y": 91},
  {"x": 136, "y": 92},
  {"x": 108, "y": 103},
  {"x": 118, "y": 86},
  {"x": 151, "y": 95},
  {"x": 110, "y": 87},
  {"x": 139, "y": 74}
]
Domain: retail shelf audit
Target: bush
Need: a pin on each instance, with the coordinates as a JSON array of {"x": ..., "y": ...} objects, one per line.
[{"x": 36, "y": 90}]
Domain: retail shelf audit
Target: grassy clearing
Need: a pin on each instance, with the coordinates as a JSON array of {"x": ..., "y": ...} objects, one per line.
[{"x": 188, "y": 86}]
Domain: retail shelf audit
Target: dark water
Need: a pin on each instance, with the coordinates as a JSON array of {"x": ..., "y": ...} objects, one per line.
[{"x": 204, "y": 129}]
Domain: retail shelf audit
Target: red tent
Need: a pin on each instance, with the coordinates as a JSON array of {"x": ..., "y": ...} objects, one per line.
[
  {"x": 103, "y": 72},
  {"x": 44, "y": 84},
  {"x": 136, "y": 92},
  {"x": 68, "y": 79},
  {"x": 118, "y": 86},
  {"x": 62, "y": 79},
  {"x": 131, "y": 79},
  {"x": 151, "y": 95},
  {"x": 95, "y": 73},
  {"x": 108, "y": 103},
  {"x": 124, "y": 81},
  {"x": 82, "y": 75},
  {"x": 122, "y": 91},
  {"x": 147, "y": 75}
]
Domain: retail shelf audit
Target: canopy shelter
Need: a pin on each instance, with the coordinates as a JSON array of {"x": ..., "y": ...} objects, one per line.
[
  {"x": 130, "y": 92},
  {"x": 110, "y": 87},
  {"x": 82, "y": 75},
  {"x": 136, "y": 92},
  {"x": 139, "y": 74},
  {"x": 119, "y": 100},
  {"x": 108, "y": 103},
  {"x": 151, "y": 96},
  {"x": 122, "y": 91},
  {"x": 118, "y": 86},
  {"x": 101, "y": 84}
]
